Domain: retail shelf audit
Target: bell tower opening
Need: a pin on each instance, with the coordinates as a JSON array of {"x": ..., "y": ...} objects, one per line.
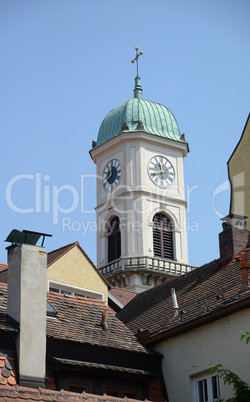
[
  {"x": 163, "y": 236},
  {"x": 114, "y": 239}
]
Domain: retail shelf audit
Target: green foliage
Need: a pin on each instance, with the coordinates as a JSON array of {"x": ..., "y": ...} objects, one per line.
[
  {"x": 246, "y": 336},
  {"x": 241, "y": 389}
]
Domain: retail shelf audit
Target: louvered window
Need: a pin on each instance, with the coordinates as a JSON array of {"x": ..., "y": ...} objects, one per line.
[
  {"x": 114, "y": 239},
  {"x": 163, "y": 236}
]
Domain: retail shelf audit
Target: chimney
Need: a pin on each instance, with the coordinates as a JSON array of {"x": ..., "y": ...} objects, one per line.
[
  {"x": 27, "y": 286},
  {"x": 244, "y": 267},
  {"x": 105, "y": 320},
  {"x": 174, "y": 299},
  {"x": 234, "y": 236}
]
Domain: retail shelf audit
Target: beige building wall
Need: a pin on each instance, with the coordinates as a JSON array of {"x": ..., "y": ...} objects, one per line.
[
  {"x": 190, "y": 354},
  {"x": 74, "y": 269},
  {"x": 239, "y": 175}
]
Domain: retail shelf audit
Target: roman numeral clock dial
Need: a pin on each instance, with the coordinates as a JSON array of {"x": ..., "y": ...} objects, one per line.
[
  {"x": 111, "y": 175},
  {"x": 161, "y": 171}
]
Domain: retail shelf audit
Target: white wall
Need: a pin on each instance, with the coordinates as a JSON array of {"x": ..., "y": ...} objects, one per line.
[
  {"x": 189, "y": 354},
  {"x": 137, "y": 198}
]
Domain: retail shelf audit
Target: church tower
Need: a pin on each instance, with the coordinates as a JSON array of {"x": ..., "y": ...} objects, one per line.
[{"x": 141, "y": 207}]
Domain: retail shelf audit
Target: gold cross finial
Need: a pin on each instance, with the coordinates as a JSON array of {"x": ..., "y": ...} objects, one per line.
[{"x": 137, "y": 57}]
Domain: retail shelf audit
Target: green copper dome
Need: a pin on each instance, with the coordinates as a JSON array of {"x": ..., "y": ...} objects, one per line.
[{"x": 139, "y": 115}]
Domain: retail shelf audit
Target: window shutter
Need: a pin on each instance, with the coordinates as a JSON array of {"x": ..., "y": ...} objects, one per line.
[
  {"x": 114, "y": 239},
  {"x": 162, "y": 236}
]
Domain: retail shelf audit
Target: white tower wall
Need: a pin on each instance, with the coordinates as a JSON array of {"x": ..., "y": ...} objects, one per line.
[{"x": 137, "y": 199}]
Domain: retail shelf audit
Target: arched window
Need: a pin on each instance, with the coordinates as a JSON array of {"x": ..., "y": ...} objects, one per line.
[
  {"x": 114, "y": 239},
  {"x": 163, "y": 236}
]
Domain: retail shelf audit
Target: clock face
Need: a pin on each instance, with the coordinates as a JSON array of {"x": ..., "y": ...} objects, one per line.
[
  {"x": 161, "y": 171},
  {"x": 111, "y": 175}
]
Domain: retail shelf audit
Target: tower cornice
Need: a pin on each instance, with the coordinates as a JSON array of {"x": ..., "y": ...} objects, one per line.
[
  {"x": 143, "y": 136},
  {"x": 159, "y": 198}
]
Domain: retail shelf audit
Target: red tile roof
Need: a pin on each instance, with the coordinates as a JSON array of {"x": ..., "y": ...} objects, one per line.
[
  {"x": 122, "y": 295},
  {"x": 4, "y": 324},
  {"x": 7, "y": 370},
  {"x": 21, "y": 394},
  {"x": 4, "y": 273},
  {"x": 3, "y": 267},
  {"x": 72, "y": 363},
  {"x": 210, "y": 288},
  {"x": 79, "y": 319}
]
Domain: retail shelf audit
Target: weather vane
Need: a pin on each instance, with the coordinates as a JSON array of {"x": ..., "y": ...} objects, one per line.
[{"x": 137, "y": 57}]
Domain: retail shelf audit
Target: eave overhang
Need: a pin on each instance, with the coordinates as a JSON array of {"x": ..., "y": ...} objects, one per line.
[
  {"x": 206, "y": 318},
  {"x": 143, "y": 136},
  {"x": 77, "y": 365}
]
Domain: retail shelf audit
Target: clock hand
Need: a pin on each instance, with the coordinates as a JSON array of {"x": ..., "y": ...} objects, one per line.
[
  {"x": 159, "y": 171},
  {"x": 110, "y": 174},
  {"x": 111, "y": 171}
]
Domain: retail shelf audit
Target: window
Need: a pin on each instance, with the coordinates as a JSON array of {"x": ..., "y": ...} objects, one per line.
[
  {"x": 114, "y": 239},
  {"x": 51, "y": 310},
  {"x": 76, "y": 385},
  {"x": 54, "y": 290},
  {"x": 207, "y": 388},
  {"x": 67, "y": 292},
  {"x": 74, "y": 291},
  {"x": 163, "y": 236},
  {"x": 121, "y": 391}
]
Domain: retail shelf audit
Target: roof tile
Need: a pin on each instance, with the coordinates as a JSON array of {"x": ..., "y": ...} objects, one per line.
[
  {"x": 3, "y": 267},
  {"x": 7, "y": 370},
  {"x": 198, "y": 292},
  {"x": 72, "y": 363},
  {"x": 79, "y": 319},
  {"x": 3, "y": 380},
  {"x": 19, "y": 394},
  {"x": 122, "y": 295}
]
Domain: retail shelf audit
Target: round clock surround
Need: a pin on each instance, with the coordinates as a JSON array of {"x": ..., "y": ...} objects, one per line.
[
  {"x": 161, "y": 171},
  {"x": 111, "y": 175}
]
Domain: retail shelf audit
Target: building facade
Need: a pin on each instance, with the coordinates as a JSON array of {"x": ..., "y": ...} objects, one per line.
[
  {"x": 200, "y": 329},
  {"x": 75, "y": 344},
  {"x": 70, "y": 271},
  {"x": 239, "y": 176}
]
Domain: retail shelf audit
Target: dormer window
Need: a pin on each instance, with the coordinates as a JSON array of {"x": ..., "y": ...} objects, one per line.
[{"x": 51, "y": 311}]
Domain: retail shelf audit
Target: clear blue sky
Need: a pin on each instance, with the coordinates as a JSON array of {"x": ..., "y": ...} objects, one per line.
[{"x": 66, "y": 63}]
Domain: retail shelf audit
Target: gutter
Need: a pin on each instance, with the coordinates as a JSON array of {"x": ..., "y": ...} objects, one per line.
[{"x": 199, "y": 321}]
